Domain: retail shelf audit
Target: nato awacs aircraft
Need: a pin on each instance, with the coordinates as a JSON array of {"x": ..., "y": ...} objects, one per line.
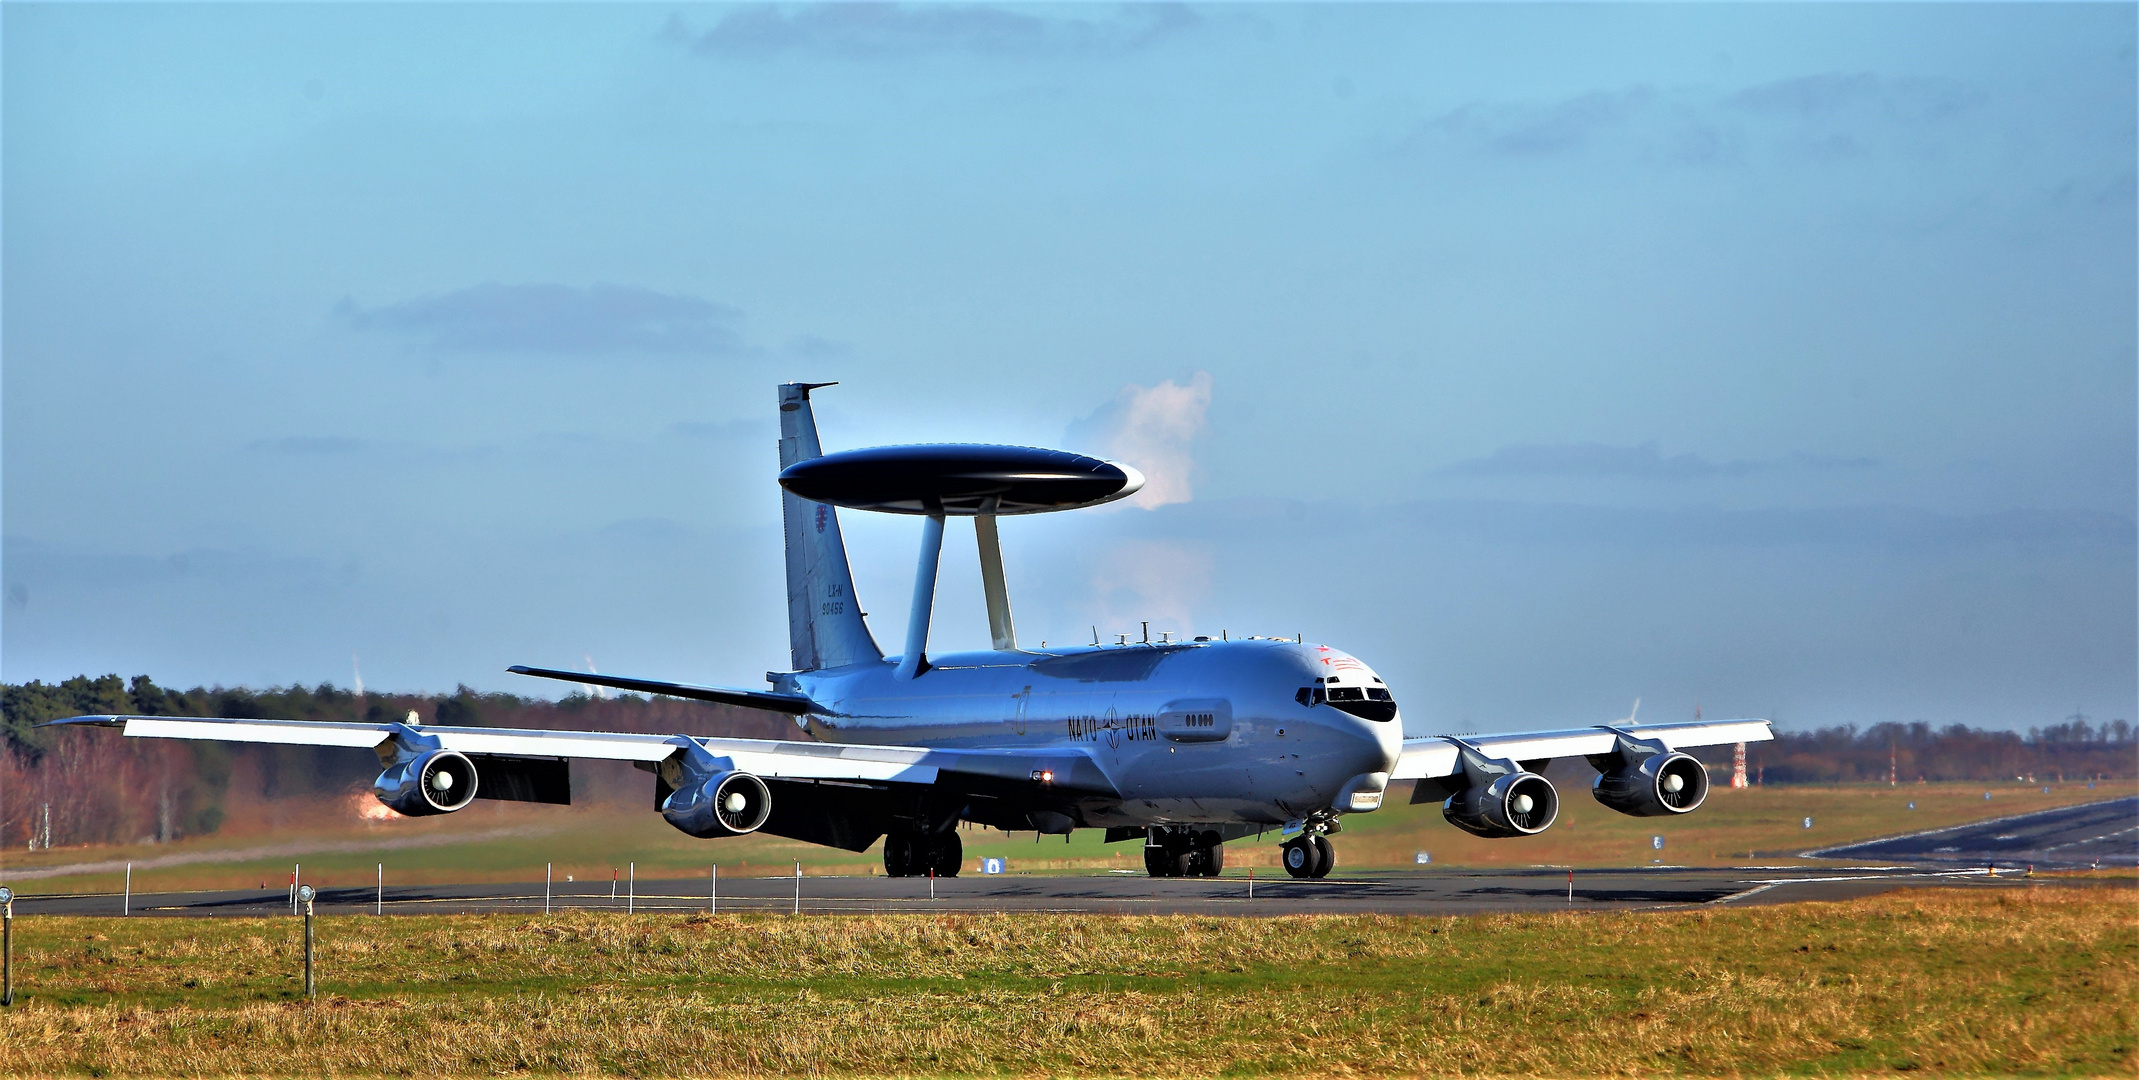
[{"x": 1184, "y": 745}]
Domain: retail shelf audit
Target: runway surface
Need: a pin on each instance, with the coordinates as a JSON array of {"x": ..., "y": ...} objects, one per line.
[
  {"x": 2068, "y": 838},
  {"x": 1450, "y": 892},
  {"x": 1960, "y": 857}
]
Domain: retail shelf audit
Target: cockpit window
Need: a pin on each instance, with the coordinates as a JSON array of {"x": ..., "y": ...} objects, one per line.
[{"x": 1367, "y": 703}]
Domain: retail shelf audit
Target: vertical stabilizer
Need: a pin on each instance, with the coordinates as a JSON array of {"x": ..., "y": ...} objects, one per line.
[{"x": 824, "y": 622}]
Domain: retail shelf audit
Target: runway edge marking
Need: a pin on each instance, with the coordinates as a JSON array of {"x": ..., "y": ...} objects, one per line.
[
  {"x": 1819, "y": 853},
  {"x": 1766, "y": 885}
]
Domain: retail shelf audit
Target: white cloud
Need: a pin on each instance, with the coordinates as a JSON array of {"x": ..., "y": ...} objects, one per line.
[
  {"x": 550, "y": 318},
  {"x": 882, "y": 31},
  {"x": 1159, "y": 581},
  {"x": 1152, "y": 428}
]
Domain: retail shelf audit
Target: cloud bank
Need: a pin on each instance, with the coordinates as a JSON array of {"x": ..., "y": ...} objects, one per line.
[
  {"x": 1645, "y": 461},
  {"x": 1152, "y": 428},
  {"x": 1906, "y": 100},
  {"x": 1159, "y": 581},
  {"x": 875, "y": 30},
  {"x": 1821, "y": 117},
  {"x": 551, "y": 318}
]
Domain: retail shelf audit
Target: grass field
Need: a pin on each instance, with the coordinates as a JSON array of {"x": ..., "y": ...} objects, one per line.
[
  {"x": 511, "y": 841},
  {"x": 2035, "y": 979}
]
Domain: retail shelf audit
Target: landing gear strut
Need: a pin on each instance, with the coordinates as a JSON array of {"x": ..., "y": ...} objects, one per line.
[
  {"x": 1177, "y": 852},
  {"x": 909, "y": 853},
  {"x": 1309, "y": 855}
]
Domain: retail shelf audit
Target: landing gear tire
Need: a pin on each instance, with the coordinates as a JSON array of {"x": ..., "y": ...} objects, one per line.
[
  {"x": 1213, "y": 851},
  {"x": 1177, "y": 853},
  {"x": 898, "y": 854},
  {"x": 1158, "y": 862},
  {"x": 1299, "y": 857},
  {"x": 950, "y": 854},
  {"x": 912, "y": 854},
  {"x": 1325, "y": 855}
]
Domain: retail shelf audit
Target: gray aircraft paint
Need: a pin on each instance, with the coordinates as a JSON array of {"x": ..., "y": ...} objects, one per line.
[
  {"x": 1278, "y": 761},
  {"x": 824, "y": 623}
]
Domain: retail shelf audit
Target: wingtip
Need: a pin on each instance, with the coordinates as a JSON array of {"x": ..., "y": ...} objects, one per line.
[{"x": 85, "y": 721}]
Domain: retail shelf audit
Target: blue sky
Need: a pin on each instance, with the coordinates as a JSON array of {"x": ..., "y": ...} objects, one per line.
[{"x": 1775, "y": 359}]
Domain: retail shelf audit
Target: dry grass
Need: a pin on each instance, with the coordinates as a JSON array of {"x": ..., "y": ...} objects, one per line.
[{"x": 2037, "y": 980}]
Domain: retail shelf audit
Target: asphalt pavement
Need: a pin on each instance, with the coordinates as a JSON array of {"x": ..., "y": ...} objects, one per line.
[
  {"x": 1445, "y": 892},
  {"x": 1990, "y": 854},
  {"x": 2092, "y": 834}
]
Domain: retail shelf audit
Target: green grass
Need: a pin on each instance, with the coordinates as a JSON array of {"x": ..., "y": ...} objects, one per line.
[
  {"x": 1986, "y": 980},
  {"x": 511, "y": 841}
]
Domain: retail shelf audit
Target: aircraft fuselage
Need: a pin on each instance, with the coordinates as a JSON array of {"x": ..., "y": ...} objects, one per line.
[{"x": 1200, "y": 732}]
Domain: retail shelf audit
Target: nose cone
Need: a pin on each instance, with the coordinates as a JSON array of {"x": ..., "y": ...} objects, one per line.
[
  {"x": 1362, "y": 766},
  {"x": 1376, "y": 743},
  {"x": 1348, "y": 745}
]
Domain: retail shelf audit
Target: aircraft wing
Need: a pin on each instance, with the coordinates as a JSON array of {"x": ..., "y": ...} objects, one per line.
[
  {"x": 1066, "y": 768},
  {"x": 792, "y": 704},
  {"x": 1435, "y": 756}
]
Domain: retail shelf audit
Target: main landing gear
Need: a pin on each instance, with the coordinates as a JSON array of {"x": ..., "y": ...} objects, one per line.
[
  {"x": 913, "y": 854},
  {"x": 1309, "y": 855},
  {"x": 1183, "y": 853}
]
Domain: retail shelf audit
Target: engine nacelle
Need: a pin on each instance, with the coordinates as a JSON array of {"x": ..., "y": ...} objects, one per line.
[
  {"x": 1516, "y": 804},
  {"x": 1655, "y": 786},
  {"x": 433, "y": 782},
  {"x": 721, "y": 804}
]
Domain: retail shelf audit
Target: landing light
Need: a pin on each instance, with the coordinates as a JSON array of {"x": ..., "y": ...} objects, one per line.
[{"x": 1045, "y": 776}]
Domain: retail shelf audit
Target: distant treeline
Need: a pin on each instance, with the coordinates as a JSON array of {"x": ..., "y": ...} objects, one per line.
[
  {"x": 102, "y": 788},
  {"x": 2071, "y": 751}
]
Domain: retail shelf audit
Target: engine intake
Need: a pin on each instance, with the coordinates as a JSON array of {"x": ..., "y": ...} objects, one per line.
[
  {"x": 1655, "y": 786},
  {"x": 1515, "y": 804},
  {"x": 433, "y": 782},
  {"x": 722, "y": 804}
]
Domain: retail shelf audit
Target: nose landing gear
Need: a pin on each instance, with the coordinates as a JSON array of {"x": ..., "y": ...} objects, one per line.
[
  {"x": 1173, "y": 852},
  {"x": 1309, "y": 855}
]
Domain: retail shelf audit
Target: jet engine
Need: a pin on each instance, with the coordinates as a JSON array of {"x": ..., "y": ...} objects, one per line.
[
  {"x": 724, "y": 803},
  {"x": 433, "y": 782},
  {"x": 1653, "y": 786},
  {"x": 1514, "y": 804}
]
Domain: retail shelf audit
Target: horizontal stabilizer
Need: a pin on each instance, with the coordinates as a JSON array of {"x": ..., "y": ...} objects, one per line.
[{"x": 792, "y": 704}]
